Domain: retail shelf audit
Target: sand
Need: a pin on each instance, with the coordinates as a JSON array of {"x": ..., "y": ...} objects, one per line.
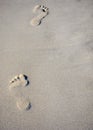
[{"x": 57, "y": 56}]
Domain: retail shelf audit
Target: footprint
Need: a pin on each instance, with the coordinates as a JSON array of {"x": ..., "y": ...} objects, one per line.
[
  {"x": 36, "y": 8},
  {"x": 44, "y": 11},
  {"x": 14, "y": 87},
  {"x": 19, "y": 81},
  {"x": 23, "y": 104}
]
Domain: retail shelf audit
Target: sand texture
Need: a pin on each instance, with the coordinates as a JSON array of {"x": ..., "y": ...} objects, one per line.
[{"x": 57, "y": 56}]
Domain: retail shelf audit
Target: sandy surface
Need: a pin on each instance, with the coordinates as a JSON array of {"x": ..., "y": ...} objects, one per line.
[{"x": 57, "y": 56}]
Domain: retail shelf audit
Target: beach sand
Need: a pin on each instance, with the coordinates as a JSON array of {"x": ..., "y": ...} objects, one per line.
[{"x": 57, "y": 57}]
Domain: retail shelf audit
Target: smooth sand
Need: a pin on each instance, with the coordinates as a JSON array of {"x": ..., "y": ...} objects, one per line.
[{"x": 58, "y": 58}]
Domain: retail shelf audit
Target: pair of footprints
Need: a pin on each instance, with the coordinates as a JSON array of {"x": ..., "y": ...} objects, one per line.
[
  {"x": 43, "y": 12},
  {"x": 16, "y": 83}
]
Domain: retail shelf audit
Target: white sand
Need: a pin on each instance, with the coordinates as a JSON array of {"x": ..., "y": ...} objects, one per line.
[{"x": 58, "y": 58}]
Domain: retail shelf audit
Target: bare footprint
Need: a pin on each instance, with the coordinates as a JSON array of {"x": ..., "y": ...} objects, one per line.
[
  {"x": 19, "y": 81},
  {"x": 23, "y": 104},
  {"x": 36, "y": 8},
  {"x": 14, "y": 87},
  {"x": 44, "y": 11}
]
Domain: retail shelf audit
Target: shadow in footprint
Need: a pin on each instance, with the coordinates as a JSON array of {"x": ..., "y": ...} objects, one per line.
[
  {"x": 29, "y": 107},
  {"x": 26, "y": 78}
]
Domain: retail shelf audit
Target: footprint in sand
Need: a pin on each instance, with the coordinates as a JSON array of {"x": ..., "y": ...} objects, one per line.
[
  {"x": 43, "y": 12},
  {"x": 23, "y": 104},
  {"x": 14, "y": 87}
]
